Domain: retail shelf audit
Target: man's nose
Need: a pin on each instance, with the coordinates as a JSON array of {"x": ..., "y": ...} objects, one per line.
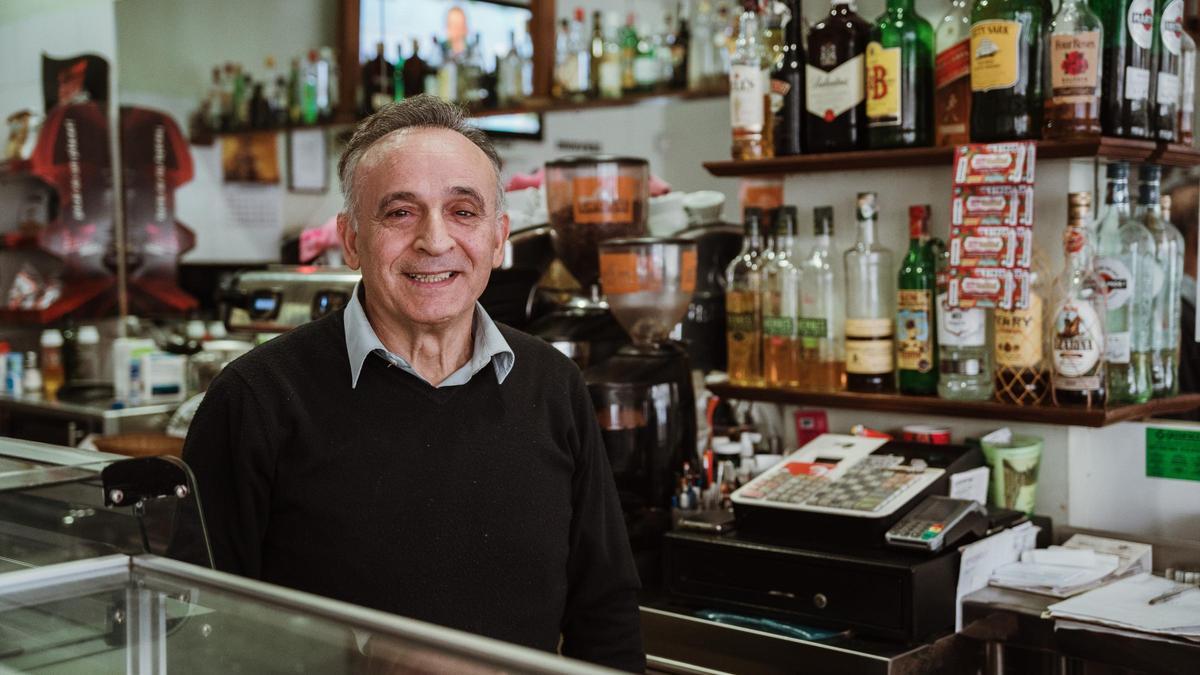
[{"x": 434, "y": 238}]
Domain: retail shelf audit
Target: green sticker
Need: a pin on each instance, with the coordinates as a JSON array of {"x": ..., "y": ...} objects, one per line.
[{"x": 1173, "y": 453}]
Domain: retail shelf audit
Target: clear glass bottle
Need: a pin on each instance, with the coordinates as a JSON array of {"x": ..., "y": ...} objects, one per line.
[
  {"x": 965, "y": 344},
  {"x": 870, "y": 298},
  {"x": 1187, "y": 88},
  {"x": 781, "y": 306},
  {"x": 952, "y": 76},
  {"x": 1074, "y": 71},
  {"x": 823, "y": 366},
  {"x": 1166, "y": 278},
  {"x": 749, "y": 110},
  {"x": 743, "y": 308},
  {"x": 701, "y": 61},
  {"x": 610, "y": 62},
  {"x": 916, "y": 343},
  {"x": 1075, "y": 338},
  {"x": 1022, "y": 371},
  {"x": 1123, "y": 246}
]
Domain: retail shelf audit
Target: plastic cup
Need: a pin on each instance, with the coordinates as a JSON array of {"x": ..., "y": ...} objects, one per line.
[{"x": 1014, "y": 468}]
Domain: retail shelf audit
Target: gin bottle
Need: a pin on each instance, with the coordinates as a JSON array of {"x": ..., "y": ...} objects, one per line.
[
  {"x": 743, "y": 311},
  {"x": 964, "y": 346},
  {"x": 916, "y": 352},
  {"x": 1076, "y": 336},
  {"x": 781, "y": 306},
  {"x": 870, "y": 295},
  {"x": 822, "y": 364},
  {"x": 1166, "y": 277},
  {"x": 1124, "y": 249}
]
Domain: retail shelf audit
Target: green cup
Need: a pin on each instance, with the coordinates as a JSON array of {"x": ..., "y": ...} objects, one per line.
[{"x": 1014, "y": 472}]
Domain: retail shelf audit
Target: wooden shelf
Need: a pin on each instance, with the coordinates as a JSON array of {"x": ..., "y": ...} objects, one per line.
[
  {"x": 928, "y": 405},
  {"x": 1106, "y": 147}
]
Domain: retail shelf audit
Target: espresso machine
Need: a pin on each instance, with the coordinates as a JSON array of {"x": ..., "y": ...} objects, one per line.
[{"x": 643, "y": 393}]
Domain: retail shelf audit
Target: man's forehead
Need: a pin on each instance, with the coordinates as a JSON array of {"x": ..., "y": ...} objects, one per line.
[{"x": 423, "y": 144}]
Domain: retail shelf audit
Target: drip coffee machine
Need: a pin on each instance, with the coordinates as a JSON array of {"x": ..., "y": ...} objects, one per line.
[{"x": 643, "y": 393}]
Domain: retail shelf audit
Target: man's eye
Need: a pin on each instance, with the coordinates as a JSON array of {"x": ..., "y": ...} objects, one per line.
[
  {"x": 397, "y": 213},
  {"x": 463, "y": 213}
]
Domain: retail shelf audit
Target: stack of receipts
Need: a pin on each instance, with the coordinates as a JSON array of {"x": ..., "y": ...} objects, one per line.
[
  {"x": 1084, "y": 562},
  {"x": 1125, "y": 605}
]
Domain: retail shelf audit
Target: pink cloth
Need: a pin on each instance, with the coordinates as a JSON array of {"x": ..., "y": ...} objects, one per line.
[{"x": 316, "y": 240}]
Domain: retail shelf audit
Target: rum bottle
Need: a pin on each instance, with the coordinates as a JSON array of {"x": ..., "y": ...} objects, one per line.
[
  {"x": 743, "y": 309},
  {"x": 1165, "y": 108},
  {"x": 836, "y": 108},
  {"x": 822, "y": 364},
  {"x": 787, "y": 87},
  {"x": 900, "y": 79},
  {"x": 1128, "y": 62},
  {"x": 1124, "y": 252},
  {"x": 1076, "y": 337},
  {"x": 869, "y": 310},
  {"x": 1074, "y": 70},
  {"x": 1006, "y": 70},
  {"x": 952, "y": 76},
  {"x": 1166, "y": 279},
  {"x": 916, "y": 353},
  {"x": 1022, "y": 374},
  {"x": 781, "y": 306},
  {"x": 748, "y": 109}
]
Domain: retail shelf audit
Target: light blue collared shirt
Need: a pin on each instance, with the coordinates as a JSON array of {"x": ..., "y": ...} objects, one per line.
[{"x": 490, "y": 347}]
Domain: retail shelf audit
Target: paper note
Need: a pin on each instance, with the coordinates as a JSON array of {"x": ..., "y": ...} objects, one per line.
[
  {"x": 308, "y": 160},
  {"x": 971, "y": 484},
  {"x": 981, "y": 558},
  {"x": 1173, "y": 453}
]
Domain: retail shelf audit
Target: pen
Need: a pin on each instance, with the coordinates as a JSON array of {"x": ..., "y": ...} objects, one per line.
[{"x": 1169, "y": 595}]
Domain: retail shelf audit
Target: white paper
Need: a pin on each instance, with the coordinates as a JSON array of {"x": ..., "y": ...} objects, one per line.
[
  {"x": 254, "y": 206},
  {"x": 1133, "y": 555},
  {"x": 981, "y": 558},
  {"x": 971, "y": 484},
  {"x": 1126, "y": 604},
  {"x": 308, "y": 160}
]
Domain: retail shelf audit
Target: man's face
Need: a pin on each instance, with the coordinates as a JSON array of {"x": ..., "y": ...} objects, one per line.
[{"x": 428, "y": 232}]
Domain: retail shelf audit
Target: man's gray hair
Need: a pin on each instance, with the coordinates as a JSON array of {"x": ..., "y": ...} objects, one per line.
[{"x": 423, "y": 111}]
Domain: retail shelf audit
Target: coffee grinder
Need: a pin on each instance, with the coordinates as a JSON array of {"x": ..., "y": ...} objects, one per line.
[{"x": 643, "y": 393}]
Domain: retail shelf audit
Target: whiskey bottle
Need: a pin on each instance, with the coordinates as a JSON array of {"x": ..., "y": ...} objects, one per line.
[
  {"x": 1076, "y": 336},
  {"x": 1022, "y": 374},
  {"x": 1166, "y": 278},
  {"x": 869, "y": 310},
  {"x": 1125, "y": 250},
  {"x": 823, "y": 367},
  {"x": 1006, "y": 70},
  {"x": 833, "y": 81},
  {"x": 1128, "y": 62},
  {"x": 743, "y": 309},
  {"x": 952, "y": 76},
  {"x": 781, "y": 306},
  {"x": 1165, "y": 107},
  {"x": 899, "y": 79},
  {"x": 916, "y": 353},
  {"x": 787, "y": 87},
  {"x": 1075, "y": 72},
  {"x": 748, "y": 111}
]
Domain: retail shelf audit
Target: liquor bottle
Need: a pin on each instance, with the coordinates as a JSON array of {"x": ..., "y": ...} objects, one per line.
[
  {"x": 398, "y": 91},
  {"x": 310, "y": 109},
  {"x": 327, "y": 83},
  {"x": 610, "y": 63},
  {"x": 295, "y": 92},
  {"x": 1166, "y": 278},
  {"x": 900, "y": 79},
  {"x": 781, "y": 306},
  {"x": 564, "y": 61},
  {"x": 415, "y": 67},
  {"x": 596, "y": 55},
  {"x": 1165, "y": 93},
  {"x": 1006, "y": 70},
  {"x": 836, "y": 107},
  {"x": 965, "y": 344},
  {"x": 916, "y": 352},
  {"x": 702, "y": 55},
  {"x": 748, "y": 109},
  {"x": 1187, "y": 88},
  {"x": 822, "y": 365},
  {"x": 377, "y": 76},
  {"x": 579, "y": 46},
  {"x": 240, "y": 99},
  {"x": 1124, "y": 249},
  {"x": 1128, "y": 61},
  {"x": 787, "y": 87},
  {"x": 629, "y": 44},
  {"x": 1075, "y": 71},
  {"x": 679, "y": 55},
  {"x": 212, "y": 102},
  {"x": 646, "y": 70},
  {"x": 869, "y": 311},
  {"x": 508, "y": 75},
  {"x": 1022, "y": 373},
  {"x": 743, "y": 308},
  {"x": 1076, "y": 336},
  {"x": 952, "y": 76}
]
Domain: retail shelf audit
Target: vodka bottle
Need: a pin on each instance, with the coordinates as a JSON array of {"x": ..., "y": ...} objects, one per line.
[
  {"x": 870, "y": 295},
  {"x": 1166, "y": 277}
]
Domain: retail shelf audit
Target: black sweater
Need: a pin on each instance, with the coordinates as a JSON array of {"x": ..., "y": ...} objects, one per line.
[{"x": 484, "y": 507}]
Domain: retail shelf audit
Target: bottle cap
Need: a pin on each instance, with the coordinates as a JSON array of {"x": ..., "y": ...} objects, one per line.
[
  {"x": 866, "y": 205},
  {"x": 88, "y": 335},
  {"x": 52, "y": 338},
  {"x": 1117, "y": 170},
  {"x": 918, "y": 220},
  {"x": 1150, "y": 173},
  {"x": 785, "y": 222},
  {"x": 822, "y": 221}
]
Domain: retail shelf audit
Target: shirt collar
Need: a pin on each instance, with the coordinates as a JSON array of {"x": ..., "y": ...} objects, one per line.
[{"x": 489, "y": 346}]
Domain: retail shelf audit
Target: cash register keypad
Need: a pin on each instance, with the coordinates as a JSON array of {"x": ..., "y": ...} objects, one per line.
[{"x": 867, "y": 486}]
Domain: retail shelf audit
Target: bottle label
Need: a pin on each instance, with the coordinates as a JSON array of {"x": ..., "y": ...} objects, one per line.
[
  {"x": 869, "y": 328},
  {"x": 1074, "y": 61},
  {"x": 646, "y": 70},
  {"x": 915, "y": 349},
  {"x": 779, "y": 326},
  {"x": 883, "y": 85},
  {"x": 1117, "y": 279},
  {"x": 1137, "y": 84},
  {"x": 1116, "y": 347},
  {"x": 952, "y": 101},
  {"x": 995, "y": 54},
  {"x": 1088, "y": 383},
  {"x": 958, "y": 327},
  {"x": 740, "y": 325},
  {"x": 610, "y": 77},
  {"x": 1168, "y": 89},
  {"x": 1140, "y": 20},
  {"x": 746, "y": 98},
  {"x": 829, "y": 94},
  {"x": 869, "y": 357},
  {"x": 604, "y": 199},
  {"x": 1019, "y": 335},
  {"x": 1078, "y": 339},
  {"x": 812, "y": 327},
  {"x": 1170, "y": 26}
]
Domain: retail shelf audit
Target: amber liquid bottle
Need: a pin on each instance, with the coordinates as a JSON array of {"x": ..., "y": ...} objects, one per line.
[
  {"x": 1022, "y": 373},
  {"x": 835, "y": 101},
  {"x": 1074, "y": 71},
  {"x": 743, "y": 305}
]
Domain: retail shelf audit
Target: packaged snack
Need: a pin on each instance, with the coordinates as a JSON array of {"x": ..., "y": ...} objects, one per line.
[
  {"x": 994, "y": 163},
  {"x": 981, "y": 287}
]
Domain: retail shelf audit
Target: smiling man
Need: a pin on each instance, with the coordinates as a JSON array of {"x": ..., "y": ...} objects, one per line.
[{"x": 408, "y": 453}]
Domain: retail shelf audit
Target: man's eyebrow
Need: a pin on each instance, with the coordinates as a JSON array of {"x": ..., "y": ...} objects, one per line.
[
  {"x": 400, "y": 196},
  {"x": 470, "y": 192}
]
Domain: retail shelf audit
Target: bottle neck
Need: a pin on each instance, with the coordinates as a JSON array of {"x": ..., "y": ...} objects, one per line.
[
  {"x": 903, "y": 5},
  {"x": 752, "y": 235},
  {"x": 1117, "y": 193},
  {"x": 866, "y": 230},
  {"x": 1077, "y": 246},
  {"x": 1149, "y": 197}
]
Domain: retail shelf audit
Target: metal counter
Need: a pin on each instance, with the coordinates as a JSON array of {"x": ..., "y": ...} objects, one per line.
[{"x": 66, "y": 423}]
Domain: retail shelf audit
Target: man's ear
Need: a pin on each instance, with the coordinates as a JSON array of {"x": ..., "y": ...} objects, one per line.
[
  {"x": 349, "y": 237},
  {"x": 502, "y": 237}
]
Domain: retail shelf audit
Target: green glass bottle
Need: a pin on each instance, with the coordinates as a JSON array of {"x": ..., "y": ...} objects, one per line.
[
  {"x": 900, "y": 79},
  {"x": 1006, "y": 70},
  {"x": 916, "y": 344}
]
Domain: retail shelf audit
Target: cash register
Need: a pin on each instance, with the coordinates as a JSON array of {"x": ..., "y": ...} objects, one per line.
[{"x": 847, "y": 533}]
